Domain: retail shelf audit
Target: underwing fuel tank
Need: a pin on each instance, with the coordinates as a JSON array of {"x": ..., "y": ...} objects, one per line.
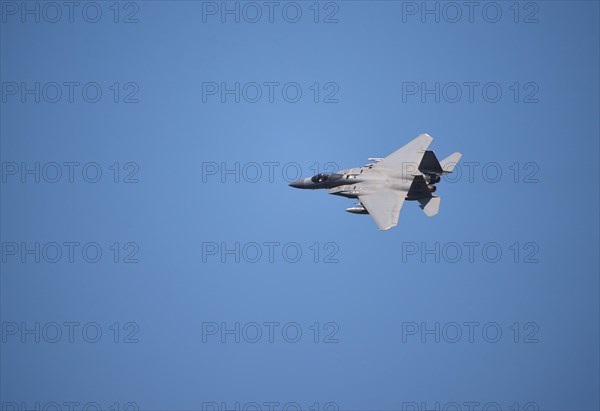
[{"x": 357, "y": 209}]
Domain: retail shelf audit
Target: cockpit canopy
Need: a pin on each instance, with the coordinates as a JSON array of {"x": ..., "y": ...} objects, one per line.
[{"x": 321, "y": 177}]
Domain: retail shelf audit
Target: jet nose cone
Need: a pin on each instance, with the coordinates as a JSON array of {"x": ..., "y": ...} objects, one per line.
[{"x": 297, "y": 184}]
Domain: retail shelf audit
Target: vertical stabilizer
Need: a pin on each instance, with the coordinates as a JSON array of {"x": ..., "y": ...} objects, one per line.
[{"x": 450, "y": 162}]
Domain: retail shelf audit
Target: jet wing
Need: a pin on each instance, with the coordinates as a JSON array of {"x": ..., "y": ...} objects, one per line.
[
  {"x": 384, "y": 206},
  {"x": 406, "y": 159}
]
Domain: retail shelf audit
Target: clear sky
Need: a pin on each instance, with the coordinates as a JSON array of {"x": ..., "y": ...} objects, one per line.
[{"x": 154, "y": 257}]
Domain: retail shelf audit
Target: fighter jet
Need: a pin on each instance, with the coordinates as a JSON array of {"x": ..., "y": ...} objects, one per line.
[{"x": 410, "y": 173}]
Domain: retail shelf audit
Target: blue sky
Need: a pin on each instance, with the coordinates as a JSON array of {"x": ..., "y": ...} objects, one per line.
[{"x": 199, "y": 252}]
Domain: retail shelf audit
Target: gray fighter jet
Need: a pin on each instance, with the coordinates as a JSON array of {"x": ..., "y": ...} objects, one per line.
[{"x": 410, "y": 173}]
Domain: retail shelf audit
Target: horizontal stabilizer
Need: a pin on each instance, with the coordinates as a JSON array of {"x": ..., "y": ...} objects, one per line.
[
  {"x": 430, "y": 206},
  {"x": 450, "y": 162}
]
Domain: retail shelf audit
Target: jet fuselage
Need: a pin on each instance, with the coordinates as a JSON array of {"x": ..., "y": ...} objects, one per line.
[{"x": 343, "y": 182}]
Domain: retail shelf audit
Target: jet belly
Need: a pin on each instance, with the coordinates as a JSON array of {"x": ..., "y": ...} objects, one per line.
[
  {"x": 355, "y": 190},
  {"x": 350, "y": 191},
  {"x": 399, "y": 184}
]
